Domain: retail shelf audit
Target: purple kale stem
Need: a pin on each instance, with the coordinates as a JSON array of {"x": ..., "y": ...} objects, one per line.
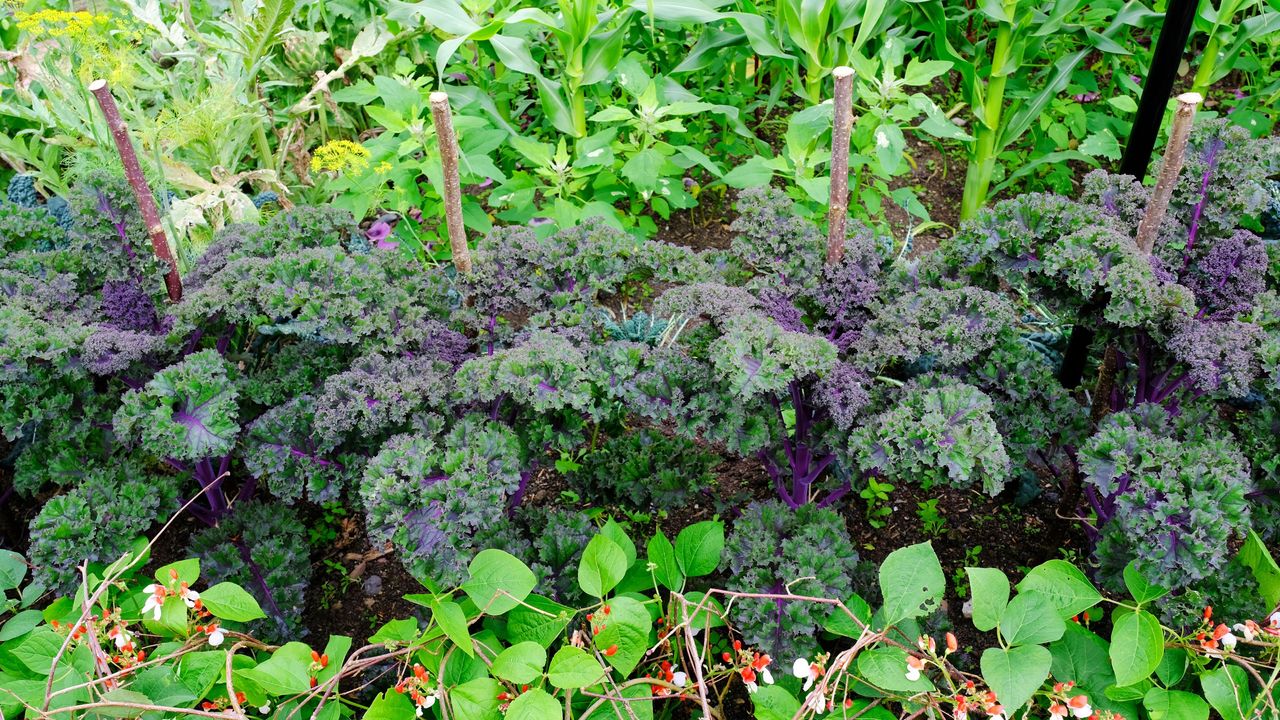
[
  {"x": 836, "y": 494},
  {"x": 1143, "y": 390},
  {"x": 517, "y": 497},
  {"x": 211, "y": 482},
  {"x": 258, "y": 578},
  {"x": 1159, "y": 396},
  {"x": 224, "y": 340},
  {"x": 1215, "y": 146}
]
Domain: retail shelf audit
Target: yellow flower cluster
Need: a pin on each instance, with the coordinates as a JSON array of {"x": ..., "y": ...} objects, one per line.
[
  {"x": 101, "y": 44},
  {"x": 84, "y": 27},
  {"x": 339, "y": 156}
]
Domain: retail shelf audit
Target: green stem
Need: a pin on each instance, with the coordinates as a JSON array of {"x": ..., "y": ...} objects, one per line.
[
  {"x": 578, "y": 106},
  {"x": 1208, "y": 65},
  {"x": 813, "y": 87},
  {"x": 982, "y": 162},
  {"x": 264, "y": 148}
]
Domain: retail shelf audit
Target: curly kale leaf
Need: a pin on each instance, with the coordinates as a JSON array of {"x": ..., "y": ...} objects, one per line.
[
  {"x": 939, "y": 432},
  {"x": 946, "y": 326},
  {"x": 774, "y": 549},
  {"x": 262, "y": 548},
  {"x": 378, "y": 395},
  {"x": 430, "y": 497},
  {"x": 547, "y": 372},
  {"x": 774, "y": 241},
  {"x": 1169, "y": 494},
  {"x": 755, "y": 356},
  {"x": 186, "y": 412},
  {"x": 645, "y": 469},
  {"x": 281, "y": 448},
  {"x": 97, "y": 520}
]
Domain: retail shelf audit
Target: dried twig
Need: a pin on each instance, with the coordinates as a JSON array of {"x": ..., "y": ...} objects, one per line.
[
  {"x": 1175, "y": 154},
  {"x": 141, "y": 190},
  {"x": 448, "y": 142},
  {"x": 841, "y": 129}
]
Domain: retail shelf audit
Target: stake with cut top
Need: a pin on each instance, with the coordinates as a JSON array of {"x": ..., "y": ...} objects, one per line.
[
  {"x": 448, "y": 142},
  {"x": 138, "y": 182},
  {"x": 1175, "y": 154},
  {"x": 841, "y": 130}
]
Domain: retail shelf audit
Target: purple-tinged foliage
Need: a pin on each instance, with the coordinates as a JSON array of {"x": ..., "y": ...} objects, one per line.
[
  {"x": 261, "y": 547},
  {"x": 938, "y": 431},
  {"x": 1219, "y": 355},
  {"x": 844, "y": 292},
  {"x": 110, "y": 351},
  {"x": 778, "y": 307},
  {"x": 845, "y": 393},
  {"x": 1167, "y": 493},
  {"x": 1120, "y": 197},
  {"x": 773, "y": 241},
  {"x": 282, "y": 450},
  {"x": 777, "y": 549},
  {"x": 948, "y": 326},
  {"x": 431, "y": 496},
  {"x": 1228, "y": 275},
  {"x": 378, "y": 395},
  {"x": 713, "y": 301},
  {"x": 128, "y": 306},
  {"x": 187, "y": 412}
]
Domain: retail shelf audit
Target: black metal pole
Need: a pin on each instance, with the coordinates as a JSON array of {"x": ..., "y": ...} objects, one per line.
[{"x": 1170, "y": 47}]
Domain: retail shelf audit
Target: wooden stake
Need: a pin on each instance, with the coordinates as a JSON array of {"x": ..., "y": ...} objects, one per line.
[
  {"x": 841, "y": 129},
  {"x": 448, "y": 142},
  {"x": 1175, "y": 154},
  {"x": 141, "y": 190}
]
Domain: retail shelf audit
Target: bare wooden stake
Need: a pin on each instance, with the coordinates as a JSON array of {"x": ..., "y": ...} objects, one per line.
[
  {"x": 443, "y": 118},
  {"x": 141, "y": 190},
  {"x": 841, "y": 129},
  {"x": 1175, "y": 154}
]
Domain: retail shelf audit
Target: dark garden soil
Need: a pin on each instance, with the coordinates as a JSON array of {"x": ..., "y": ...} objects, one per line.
[
  {"x": 978, "y": 531},
  {"x": 704, "y": 227},
  {"x": 355, "y": 587}
]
